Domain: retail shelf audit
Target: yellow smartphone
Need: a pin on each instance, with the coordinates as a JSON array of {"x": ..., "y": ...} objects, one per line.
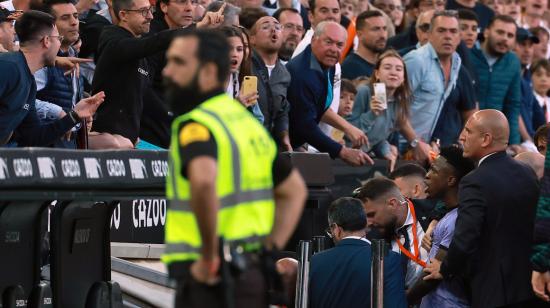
[{"x": 250, "y": 85}]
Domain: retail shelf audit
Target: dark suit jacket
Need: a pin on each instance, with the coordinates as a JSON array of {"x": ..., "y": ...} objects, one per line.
[
  {"x": 307, "y": 95},
  {"x": 340, "y": 277},
  {"x": 494, "y": 231}
]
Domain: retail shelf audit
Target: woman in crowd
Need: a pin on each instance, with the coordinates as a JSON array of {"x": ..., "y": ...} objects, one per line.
[
  {"x": 240, "y": 66},
  {"x": 378, "y": 119}
]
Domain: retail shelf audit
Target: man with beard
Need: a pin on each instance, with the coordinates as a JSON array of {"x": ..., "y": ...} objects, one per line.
[
  {"x": 433, "y": 71},
  {"x": 123, "y": 73},
  {"x": 293, "y": 30},
  {"x": 19, "y": 123},
  {"x": 442, "y": 182},
  {"x": 372, "y": 34},
  {"x": 225, "y": 170},
  {"x": 57, "y": 91},
  {"x": 274, "y": 79},
  {"x": 310, "y": 93},
  {"x": 498, "y": 72},
  {"x": 394, "y": 218}
]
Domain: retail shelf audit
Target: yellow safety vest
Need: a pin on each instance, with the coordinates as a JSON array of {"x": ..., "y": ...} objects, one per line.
[{"x": 244, "y": 183}]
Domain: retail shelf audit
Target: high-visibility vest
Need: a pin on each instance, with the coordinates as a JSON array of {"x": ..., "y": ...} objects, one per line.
[{"x": 244, "y": 183}]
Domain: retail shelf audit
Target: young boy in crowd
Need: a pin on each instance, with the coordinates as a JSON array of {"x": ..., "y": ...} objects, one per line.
[
  {"x": 347, "y": 97},
  {"x": 348, "y": 8},
  {"x": 540, "y": 76},
  {"x": 540, "y": 138}
]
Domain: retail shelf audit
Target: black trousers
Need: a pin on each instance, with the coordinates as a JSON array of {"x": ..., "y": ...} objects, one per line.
[{"x": 250, "y": 291}]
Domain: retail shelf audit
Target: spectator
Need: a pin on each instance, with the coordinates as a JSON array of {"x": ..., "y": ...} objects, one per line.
[
  {"x": 122, "y": 71},
  {"x": 489, "y": 220},
  {"x": 393, "y": 9},
  {"x": 533, "y": 14},
  {"x": 310, "y": 94},
  {"x": 273, "y": 78},
  {"x": 469, "y": 27},
  {"x": 409, "y": 178},
  {"x": 347, "y": 98},
  {"x": 7, "y": 31},
  {"x": 433, "y": 71},
  {"x": 512, "y": 8},
  {"x": 293, "y": 31},
  {"x": 19, "y": 123},
  {"x": 541, "y": 49},
  {"x": 496, "y": 5},
  {"x": 348, "y": 8},
  {"x": 409, "y": 38},
  {"x": 498, "y": 72},
  {"x": 483, "y": 12},
  {"x": 379, "y": 119},
  {"x": 442, "y": 183},
  {"x": 540, "y": 138},
  {"x": 57, "y": 91},
  {"x": 422, "y": 29},
  {"x": 540, "y": 71},
  {"x": 372, "y": 35},
  {"x": 531, "y": 114},
  {"x": 391, "y": 215},
  {"x": 398, "y": 16},
  {"x": 240, "y": 62},
  {"x": 340, "y": 277},
  {"x": 540, "y": 258}
]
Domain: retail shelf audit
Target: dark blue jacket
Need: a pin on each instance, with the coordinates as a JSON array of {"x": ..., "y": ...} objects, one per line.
[
  {"x": 307, "y": 95},
  {"x": 498, "y": 87},
  {"x": 531, "y": 112},
  {"x": 59, "y": 88},
  {"x": 341, "y": 277},
  {"x": 18, "y": 119}
]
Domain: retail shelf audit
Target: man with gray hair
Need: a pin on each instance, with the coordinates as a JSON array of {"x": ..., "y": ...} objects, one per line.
[{"x": 310, "y": 94}]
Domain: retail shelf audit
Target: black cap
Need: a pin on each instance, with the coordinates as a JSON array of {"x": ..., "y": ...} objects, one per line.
[
  {"x": 524, "y": 34},
  {"x": 5, "y": 15}
]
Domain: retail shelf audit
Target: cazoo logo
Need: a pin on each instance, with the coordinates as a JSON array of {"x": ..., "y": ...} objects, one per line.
[{"x": 149, "y": 213}]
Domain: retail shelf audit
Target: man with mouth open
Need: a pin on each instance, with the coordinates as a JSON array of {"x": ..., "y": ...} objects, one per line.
[{"x": 433, "y": 71}]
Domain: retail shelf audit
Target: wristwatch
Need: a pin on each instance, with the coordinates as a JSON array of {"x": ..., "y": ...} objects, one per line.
[
  {"x": 74, "y": 116},
  {"x": 414, "y": 143}
]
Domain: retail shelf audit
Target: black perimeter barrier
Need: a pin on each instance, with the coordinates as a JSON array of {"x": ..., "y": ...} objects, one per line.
[{"x": 86, "y": 199}]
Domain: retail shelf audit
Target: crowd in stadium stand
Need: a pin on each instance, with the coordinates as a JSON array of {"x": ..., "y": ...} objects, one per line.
[{"x": 357, "y": 79}]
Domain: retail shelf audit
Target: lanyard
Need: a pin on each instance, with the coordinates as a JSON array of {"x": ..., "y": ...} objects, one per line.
[{"x": 416, "y": 256}]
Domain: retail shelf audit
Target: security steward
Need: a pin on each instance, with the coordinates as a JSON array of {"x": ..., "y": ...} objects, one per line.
[{"x": 226, "y": 181}]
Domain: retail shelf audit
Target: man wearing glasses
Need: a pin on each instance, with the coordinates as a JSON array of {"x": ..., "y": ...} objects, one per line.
[
  {"x": 293, "y": 31},
  {"x": 19, "y": 123},
  {"x": 340, "y": 277}
]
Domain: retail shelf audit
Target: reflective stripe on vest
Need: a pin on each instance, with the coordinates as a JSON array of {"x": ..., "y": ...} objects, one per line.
[{"x": 244, "y": 186}]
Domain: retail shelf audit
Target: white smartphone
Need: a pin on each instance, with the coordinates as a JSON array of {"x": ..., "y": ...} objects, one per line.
[{"x": 380, "y": 94}]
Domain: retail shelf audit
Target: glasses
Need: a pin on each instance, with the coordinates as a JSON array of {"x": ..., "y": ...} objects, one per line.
[
  {"x": 59, "y": 37},
  {"x": 144, "y": 11},
  {"x": 293, "y": 27},
  {"x": 424, "y": 27},
  {"x": 268, "y": 27}
]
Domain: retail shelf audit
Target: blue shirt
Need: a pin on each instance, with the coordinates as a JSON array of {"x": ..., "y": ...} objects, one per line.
[
  {"x": 448, "y": 293},
  {"x": 428, "y": 87}
]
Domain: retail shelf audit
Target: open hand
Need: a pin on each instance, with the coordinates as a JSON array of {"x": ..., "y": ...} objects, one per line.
[{"x": 87, "y": 107}]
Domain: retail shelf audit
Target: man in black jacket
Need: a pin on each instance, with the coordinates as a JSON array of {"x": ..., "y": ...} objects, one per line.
[{"x": 494, "y": 227}]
